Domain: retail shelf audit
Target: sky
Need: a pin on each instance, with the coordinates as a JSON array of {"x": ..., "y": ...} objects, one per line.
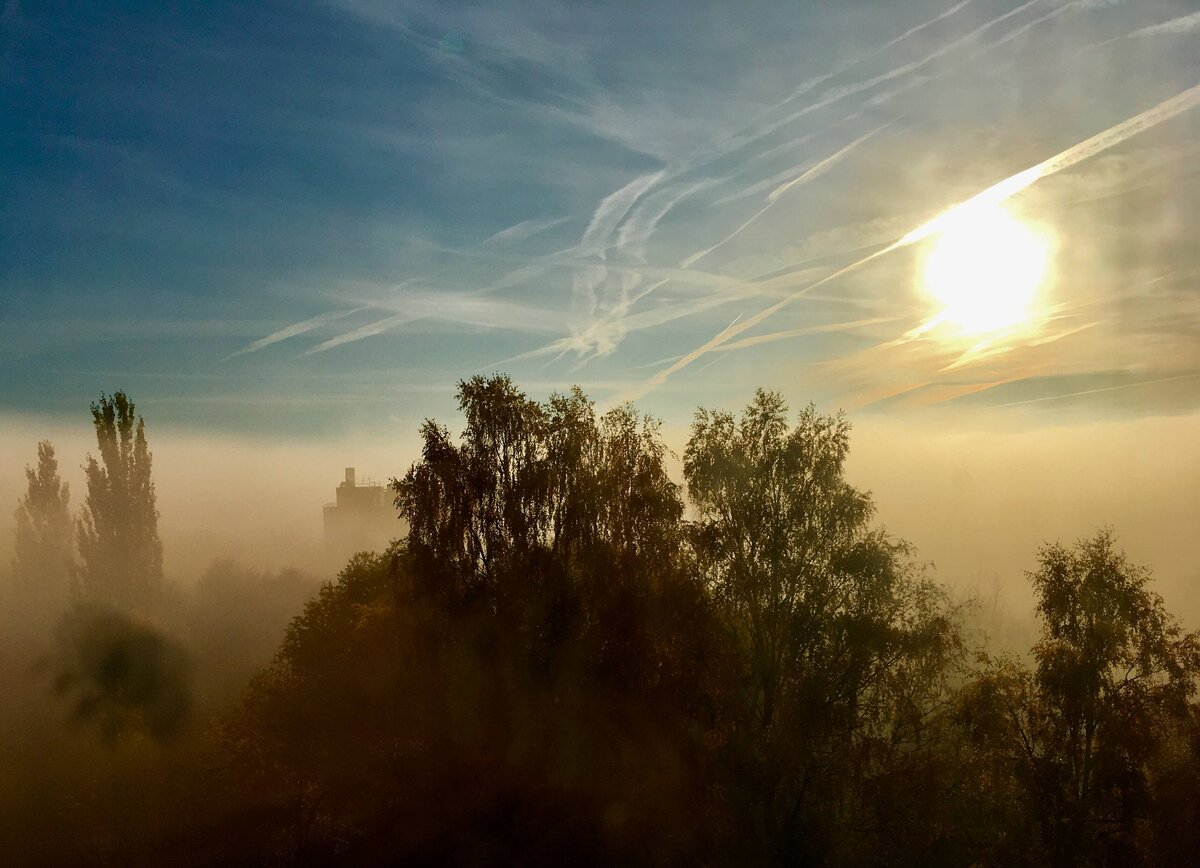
[{"x": 290, "y": 225}]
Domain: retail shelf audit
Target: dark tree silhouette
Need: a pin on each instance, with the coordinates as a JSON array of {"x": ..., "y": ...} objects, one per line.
[
  {"x": 844, "y": 647},
  {"x": 1113, "y": 677},
  {"x": 119, "y": 548},
  {"x": 42, "y": 565},
  {"x": 563, "y": 664},
  {"x": 537, "y": 662},
  {"x": 544, "y": 515},
  {"x": 122, "y": 676}
]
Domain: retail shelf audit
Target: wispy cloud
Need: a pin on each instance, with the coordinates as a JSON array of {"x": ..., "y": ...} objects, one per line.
[
  {"x": 812, "y": 172},
  {"x": 470, "y": 309},
  {"x": 523, "y": 230},
  {"x": 837, "y": 94},
  {"x": 368, "y": 330},
  {"x": 294, "y": 330},
  {"x": 1180, "y": 25},
  {"x": 997, "y": 193},
  {"x": 635, "y": 232},
  {"x": 612, "y": 210},
  {"x": 1109, "y": 138},
  {"x": 788, "y": 334}
]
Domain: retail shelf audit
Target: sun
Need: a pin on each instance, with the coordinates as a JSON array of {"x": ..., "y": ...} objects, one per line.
[{"x": 985, "y": 268}]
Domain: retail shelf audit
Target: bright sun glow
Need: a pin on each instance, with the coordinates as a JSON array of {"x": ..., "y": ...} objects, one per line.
[{"x": 985, "y": 269}]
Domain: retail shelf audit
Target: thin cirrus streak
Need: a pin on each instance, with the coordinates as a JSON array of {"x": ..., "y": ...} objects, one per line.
[
  {"x": 812, "y": 172},
  {"x": 756, "y": 340},
  {"x": 738, "y": 140},
  {"x": 612, "y": 210},
  {"x": 758, "y": 130},
  {"x": 523, "y": 230},
  {"x": 464, "y": 308},
  {"x": 1182, "y": 24},
  {"x": 635, "y": 232},
  {"x": 835, "y": 95},
  {"x": 1139, "y": 383},
  {"x": 1174, "y": 27},
  {"x": 995, "y": 194},
  {"x": 616, "y": 213},
  {"x": 806, "y": 86},
  {"x": 293, "y": 331}
]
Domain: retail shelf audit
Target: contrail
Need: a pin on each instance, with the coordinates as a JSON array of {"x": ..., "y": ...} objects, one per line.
[
  {"x": 993, "y": 195},
  {"x": 1183, "y": 24},
  {"x": 809, "y": 174},
  {"x": 912, "y": 31},
  {"x": 617, "y": 204},
  {"x": 293, "y": 330},
  {"x": 524, "y": 229},
  {"x": 1111, "y": 137},
  {"x": 1153, "y": 382},
  {"x": 612, "y": 210},
  {"x": 635, "y": 232},
  {"x": 839, "y": 93}
]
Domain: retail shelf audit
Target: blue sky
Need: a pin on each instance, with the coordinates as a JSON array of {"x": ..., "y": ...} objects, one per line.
[{"x": 318, "y": 216}]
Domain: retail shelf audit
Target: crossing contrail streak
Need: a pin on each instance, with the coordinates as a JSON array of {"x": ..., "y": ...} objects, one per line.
[
  {"x": 1121, "y": 386},
  {"x": 814, "y": 171},
  {"x": 1111, "y": 137},
  {"x": 993, "y": 195}
]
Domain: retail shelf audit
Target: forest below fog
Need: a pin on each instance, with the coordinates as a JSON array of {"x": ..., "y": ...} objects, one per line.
[{"x": 570, "y": 658}]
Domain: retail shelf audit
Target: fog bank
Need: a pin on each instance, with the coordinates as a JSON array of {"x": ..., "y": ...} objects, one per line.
[{"x": 975, "y": 503}]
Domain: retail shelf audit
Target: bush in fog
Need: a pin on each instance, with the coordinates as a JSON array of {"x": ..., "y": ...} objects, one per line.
[{"x": 122, "y": 675}]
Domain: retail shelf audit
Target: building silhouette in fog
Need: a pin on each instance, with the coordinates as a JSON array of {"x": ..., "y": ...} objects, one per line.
[{"x": 361, "y": 519}]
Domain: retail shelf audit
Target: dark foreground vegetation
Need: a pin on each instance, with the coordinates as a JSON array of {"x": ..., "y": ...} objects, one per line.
[{"x": 570, "y": 660}]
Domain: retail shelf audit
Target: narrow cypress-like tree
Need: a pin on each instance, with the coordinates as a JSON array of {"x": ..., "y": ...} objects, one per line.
[
  {"x": 42, "y": 565},
  {"x": 119, "y": 548}
]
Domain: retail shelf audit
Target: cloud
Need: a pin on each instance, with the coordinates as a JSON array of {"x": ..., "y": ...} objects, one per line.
[
  {"x": 821, "y": 166},
  {"x": 839, "y": 93},
  {"x": 633, "y": 226},
  {"x": 612, "y": 210},
  {"x": 521, "y": 231},
  {"x": 1040, "y": 390},
  {"x": 788, "y": 334},
  {"x": 293, "y": 330},
  {"x": 812, "y": 172},
  {"x": 1114, "y": 135},
  {"x": 1109, "y": 138},
  {"x": 470, "y": 309},
  {"x": 636, "y": 231},
  {"x": 1183, "y": 24},
  {"x": 364, "y": 331}
]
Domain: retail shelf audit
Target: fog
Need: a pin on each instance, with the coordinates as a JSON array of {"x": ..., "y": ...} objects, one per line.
[
  {"x": 976, "y": 498},
  {"x": 979, "y": 503},
  {"x": 256, "y": 499},
  {"x": 118, "y": 707}
]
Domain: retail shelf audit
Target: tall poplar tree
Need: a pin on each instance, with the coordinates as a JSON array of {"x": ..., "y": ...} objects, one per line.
[
  {"x": 42, "y": 565},
  {"x": 119, "y": 548}
]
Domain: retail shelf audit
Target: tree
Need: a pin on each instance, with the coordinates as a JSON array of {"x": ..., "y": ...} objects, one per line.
[
  {"x": 42, "y": 566},
  {"x": 534, "y": 664},
  {"x": 544, "y": 515},
  {"x": 1109, "y": 690},
  {"x": 844, "y": 647},
  {"x": 119, "y": 547},
  {"x": 1112, "y": 667}
]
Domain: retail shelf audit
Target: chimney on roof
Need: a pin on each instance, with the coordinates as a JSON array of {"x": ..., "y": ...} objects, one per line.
[{"x": 349, "y": 475}]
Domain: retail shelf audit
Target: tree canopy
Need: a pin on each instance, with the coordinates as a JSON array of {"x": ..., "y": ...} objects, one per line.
[
  {"x": 572, "y": 658},
  {"x": 119, "y": 548},
  {"x": 42, "y": 568}
]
